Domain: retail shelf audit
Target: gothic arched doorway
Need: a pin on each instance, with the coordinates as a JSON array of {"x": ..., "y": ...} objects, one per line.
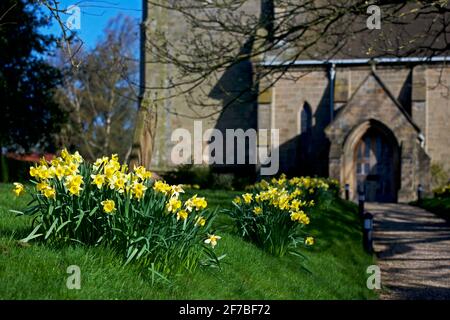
[
  {"x": 371, "y": 162},
  {"x": 375, "y": 166}
]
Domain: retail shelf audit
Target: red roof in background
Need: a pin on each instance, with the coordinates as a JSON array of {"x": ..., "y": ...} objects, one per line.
[{"x": 32, "y": 157}]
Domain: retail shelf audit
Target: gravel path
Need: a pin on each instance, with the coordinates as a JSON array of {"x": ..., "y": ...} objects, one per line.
[{"x": 413, "y": 249}]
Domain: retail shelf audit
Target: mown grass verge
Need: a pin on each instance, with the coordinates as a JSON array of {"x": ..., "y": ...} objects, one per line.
[
  {"x": 439, "y": 206},
  {"x": 337, "y": 263}
]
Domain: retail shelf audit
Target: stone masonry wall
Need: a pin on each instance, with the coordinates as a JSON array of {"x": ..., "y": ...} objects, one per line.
[
  {"x": 311, "y": 88},
  {"x": 406, "y": 83},
  {"x": 179, "y": 110},
  {"x": 438, "y": 115}
]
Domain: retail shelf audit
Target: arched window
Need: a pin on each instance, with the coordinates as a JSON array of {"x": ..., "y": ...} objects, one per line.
[
  {"x": 304, "y": 150},
  {"x": 305, "y": 119}
]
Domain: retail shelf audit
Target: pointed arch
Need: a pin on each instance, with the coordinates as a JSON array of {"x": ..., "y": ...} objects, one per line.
[
  {"x": 362, "y": 134},
  {"x": 305, "y": 121}
]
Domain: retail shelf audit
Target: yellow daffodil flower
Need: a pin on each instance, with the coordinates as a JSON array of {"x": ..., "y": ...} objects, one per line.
[
  {"x": 212, "y": 240},
  {"x": 118, "y": 181},
  {"x": 75, "y": 189},
  {"x": 304, "y": 219},
  {"x": 74, "y": 179},
  {"x": 98, "y": 180},
  {"x": 99, "y": 162},
  {"x": 173, "y": 205},
  {"x": 34, "y": 172},
  {"x": 300, "y": 216},
  {"x": 177, "y": 189},
  {"x": 248, "y": 197},
  {"x": 162, "y": 187},
  {"x": 257, "y": 210},
  {"x": 142, "y": 173},
  {"x": 76, "y": 157},
  {"x": 182, "y": 214},
  {"x": 111, "y": 168},
  {"x": 57, "y": 162},
  {"x": 59, "y": 171},
  {"x": 283, "y": 201},
  {"x": 65, "y": 154},
  {"x": 43, "y": 172},
  {"x": 49, "y": 193},
  {"x": 73, "y": 184},
  {"x": 41, "y": 186},
  {"x": 43, "y": 162},
  {"x": 138, "y": 190},
  {"x": 309, "y": 241},
  {"x": 237, "y": 200},
  {"x": 19, "y": 189},
  {"x": 195, "y": 202},
  {"x": 200, "y": 221},
  {"x": 295, "y": 205},
  {"x": 108, "y": 206},
  {"x": 71, "y": 169}
]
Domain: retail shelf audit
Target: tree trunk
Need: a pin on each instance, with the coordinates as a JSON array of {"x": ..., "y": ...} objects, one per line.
[
  {"x": 143, "y": 139},
  {"x": 4, "y": 172}
]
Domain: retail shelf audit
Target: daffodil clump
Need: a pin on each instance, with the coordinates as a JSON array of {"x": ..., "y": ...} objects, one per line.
[
  {"x": 105, "y": 203},
  {"x": 306, "y": 188},
  {"x": 275, "y": 214}
]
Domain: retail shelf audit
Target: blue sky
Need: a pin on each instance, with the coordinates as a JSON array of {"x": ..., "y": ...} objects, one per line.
[{"x": 95, "y": 16}]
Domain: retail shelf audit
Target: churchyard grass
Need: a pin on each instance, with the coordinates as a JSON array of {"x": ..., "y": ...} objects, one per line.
[{"x": 337, "y": 263}]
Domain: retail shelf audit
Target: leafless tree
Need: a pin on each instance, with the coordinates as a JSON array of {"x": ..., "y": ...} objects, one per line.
[
  {"x": 199, "y": 40},
  {"x": 216, "y": 35},
  {"x": 100, "y": 94},
  {"x": 218, "y": 31}
]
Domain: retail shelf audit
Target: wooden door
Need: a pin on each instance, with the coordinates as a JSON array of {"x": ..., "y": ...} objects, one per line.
[{"x": 375, "y": 168}]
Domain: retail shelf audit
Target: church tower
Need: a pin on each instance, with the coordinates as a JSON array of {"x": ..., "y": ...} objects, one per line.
[{"x": 227, "y": 103}]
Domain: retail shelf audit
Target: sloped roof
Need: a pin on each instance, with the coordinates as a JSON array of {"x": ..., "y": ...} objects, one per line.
[
  {"x": 32, "y": 157},
  {"x": 404, "y": 32},
  {"x": 389, "y": 94}
]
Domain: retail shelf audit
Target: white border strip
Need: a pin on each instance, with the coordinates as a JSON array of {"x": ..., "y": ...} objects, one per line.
[{"x": 275, "y": 63}]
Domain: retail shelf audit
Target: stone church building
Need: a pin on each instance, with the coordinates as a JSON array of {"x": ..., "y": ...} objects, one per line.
[
  {"x": 376, "y": 124},
  {"x": 380, "y": 125}
]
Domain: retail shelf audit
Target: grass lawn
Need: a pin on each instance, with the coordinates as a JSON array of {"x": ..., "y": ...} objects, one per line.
[
  {"x": 440, "y": 206},
  {"x": 337, "y": 262}
]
